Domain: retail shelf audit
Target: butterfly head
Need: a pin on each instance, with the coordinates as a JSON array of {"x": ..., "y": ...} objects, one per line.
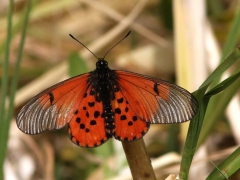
[{"x": 101, "y": 64}]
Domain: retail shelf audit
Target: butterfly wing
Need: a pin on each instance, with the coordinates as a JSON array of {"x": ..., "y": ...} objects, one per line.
[
  {"x": 129, "y": 126},
  {"x": 87, "y": 126},
  {"x": 154, "y": 100},
  {"x": 54, "y": 107}
]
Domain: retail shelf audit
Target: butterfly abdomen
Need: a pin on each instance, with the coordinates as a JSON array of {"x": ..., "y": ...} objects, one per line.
[{"x": 104, "y": 85}]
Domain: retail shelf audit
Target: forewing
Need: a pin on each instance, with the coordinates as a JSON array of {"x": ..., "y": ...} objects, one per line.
[
  {"x": 54, "y": 107},
  {"x": 87, "y": 127},
  {"x": 155, "y": 100}
]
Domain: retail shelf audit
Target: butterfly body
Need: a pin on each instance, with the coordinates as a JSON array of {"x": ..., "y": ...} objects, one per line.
[
  {"x": 106, "y": 103},
  {"x": 103, "y": 87},
  {"x": 103, "y": 82}
]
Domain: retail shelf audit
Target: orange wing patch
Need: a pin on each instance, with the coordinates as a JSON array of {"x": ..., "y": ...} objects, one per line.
[
  {"x": 87, "y": 128},
  {"x": 155, "y": 100},
  {"x": 53, "y": 108},
  {"x": 129, "y": 127}
]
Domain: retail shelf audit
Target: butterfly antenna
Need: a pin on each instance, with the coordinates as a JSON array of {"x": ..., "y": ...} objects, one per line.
[
  {"x": 117, "y": 43},
  {"x": 83, "y": 45}
]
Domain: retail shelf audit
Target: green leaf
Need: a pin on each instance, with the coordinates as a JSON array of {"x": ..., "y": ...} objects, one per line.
[
  {"x": 193, "y": 133},
  {"x": 228, "y": 167},
  {"x": 77, "y": 64},
  {"x": 223, "y": 85}
]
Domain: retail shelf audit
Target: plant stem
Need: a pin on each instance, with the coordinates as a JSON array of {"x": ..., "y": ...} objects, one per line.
[
  {"x": 138, "y": 160},
  {"x": 4, "y": 82}
]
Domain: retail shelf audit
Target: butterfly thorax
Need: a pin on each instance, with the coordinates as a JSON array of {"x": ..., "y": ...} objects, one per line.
[{"x": 102, "y": 80}]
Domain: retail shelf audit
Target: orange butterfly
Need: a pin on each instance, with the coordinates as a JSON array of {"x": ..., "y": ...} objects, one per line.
[{"x": 105, "y": 103}]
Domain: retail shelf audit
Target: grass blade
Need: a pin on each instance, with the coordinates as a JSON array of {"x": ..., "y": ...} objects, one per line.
[
  {"x": 228, "y": 167},
  {"x": 203, "y": 100},
  {"x": 7, "y": 117},
  {"x": 4, "y": 88},
  {"x": 223, "y": 85}
]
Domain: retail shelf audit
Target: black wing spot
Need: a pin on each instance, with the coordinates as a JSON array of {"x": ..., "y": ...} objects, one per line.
[
  {"x": 87, "y": 130},
  {"x": 82, "y": 126},
  {"x": 155, "y": 88},
  {"x": 130, "y": 123},
  {"x": 96, "y": 114},
  {"x": 93, "y": 122},
  {"x": 84, "y": 108},
  {"x": 87, "y": 114},
  {"x": 51, "y": 97},
  {"x": 85, "y": 95},
  {"x": 76, "y": 112},
  {"x": 118, "y": 111},
  {"x": 91, "y": 104},
  {"x": 120, "y": 100},
  {"x": 126, "y": 109},
  {"x": 78, "y": 119},
  {"x": 123, "y": 117},
  {"x": 134, "y": 118}
]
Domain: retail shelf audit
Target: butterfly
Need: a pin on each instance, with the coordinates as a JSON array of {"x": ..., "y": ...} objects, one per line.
[{"x": 106, "y": 103}]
